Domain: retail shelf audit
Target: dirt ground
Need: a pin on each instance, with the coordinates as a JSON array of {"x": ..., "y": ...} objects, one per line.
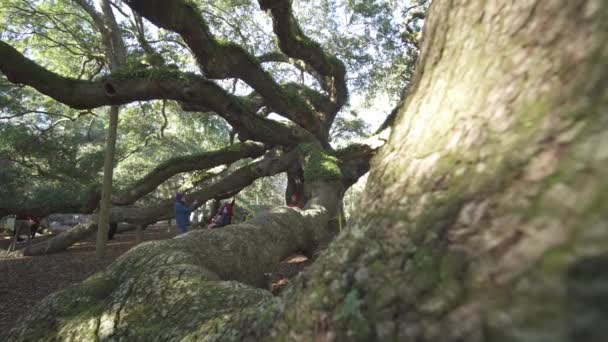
[{"x": 24, "y": 281}]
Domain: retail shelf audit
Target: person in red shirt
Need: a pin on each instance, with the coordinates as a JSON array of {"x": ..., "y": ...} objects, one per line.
[
  {"x": 228, "y": 212},
  {"x": 224, "y": 215},
  {"x": 294, "y": 203}
]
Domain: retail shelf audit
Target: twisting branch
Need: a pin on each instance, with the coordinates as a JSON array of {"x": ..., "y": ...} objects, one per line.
[
  {"x": 165, "y": 120},
  {"x": 149, "y": 84},
  {"x": 138, "y": 149},
  {"x": 177, "y": 165},
  {"x": 226, "y": 60},
  {"x": 295, "y": 44},
  {"x": 271, "y": 164}
]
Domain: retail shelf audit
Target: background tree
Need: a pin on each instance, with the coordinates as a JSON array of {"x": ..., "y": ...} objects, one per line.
[{"x": 116, "y": 55}]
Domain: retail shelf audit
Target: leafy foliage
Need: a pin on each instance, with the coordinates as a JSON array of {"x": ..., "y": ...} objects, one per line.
[{"x": 45, "y": 145}]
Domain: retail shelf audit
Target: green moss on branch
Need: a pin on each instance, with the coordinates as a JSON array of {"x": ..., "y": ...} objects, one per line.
[{"x": 320, "y": 165}]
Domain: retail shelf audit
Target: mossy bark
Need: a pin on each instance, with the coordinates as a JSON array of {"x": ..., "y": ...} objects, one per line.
[
  {"x": 484, "y": 218},
  {"x": 203, "y": 285}
]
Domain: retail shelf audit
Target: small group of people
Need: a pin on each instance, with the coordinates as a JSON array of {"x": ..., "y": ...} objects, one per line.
[{"x": 223, "y": 217}]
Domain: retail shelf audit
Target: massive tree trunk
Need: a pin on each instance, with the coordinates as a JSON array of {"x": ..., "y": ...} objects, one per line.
[{"x": 484, "y": 218}]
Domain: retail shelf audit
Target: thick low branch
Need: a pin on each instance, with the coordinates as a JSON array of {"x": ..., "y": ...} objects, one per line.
[
  {"x": 269, "y": 165},
  {"x": 198, "y": 269},
  {"x": 23, "y": 206},
  {"x": 177, "y": 165},
  {"x": 60, "y": 242},
  {"x": 143, "y": 85},
  {"x": 226, "y": 60},
  {"x": 355, "y": 161},
  {"x": 89, "y": 201}
]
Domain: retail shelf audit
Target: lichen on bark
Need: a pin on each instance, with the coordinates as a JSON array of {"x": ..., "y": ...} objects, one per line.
[{"x": 474, "y": 209}]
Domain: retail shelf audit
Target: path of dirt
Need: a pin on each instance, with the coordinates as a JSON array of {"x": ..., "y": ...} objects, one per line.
[{"x": 24, "y": 281}]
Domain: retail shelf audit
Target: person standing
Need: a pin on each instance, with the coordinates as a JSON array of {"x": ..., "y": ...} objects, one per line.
[
  {"x": 228, "y": 212},
  {"x": 182, "y": 212}
]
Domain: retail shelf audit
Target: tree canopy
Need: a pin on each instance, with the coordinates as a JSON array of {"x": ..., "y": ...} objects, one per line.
[{"x": 193, "y": 81}]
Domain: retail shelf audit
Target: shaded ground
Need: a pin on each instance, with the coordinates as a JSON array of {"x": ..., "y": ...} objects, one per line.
[
  {"x": 24, "y": 281},
  {"x": 290, "y": 267}
]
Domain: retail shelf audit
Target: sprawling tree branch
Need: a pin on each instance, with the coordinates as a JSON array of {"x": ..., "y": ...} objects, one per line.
[
  {"x": 148, "y": 84},
  {"x": 226, "y": 60},
  {"x": 324, "y": 192},
  {"x": 279, "y": 57},
  {"x": 355, "y": 161},
  {"x": 295, "y": 44},
  {"x": 88, "y": 202},
  {"x": 270, "y": 165},
  {"x": 177, "y": 165},
  {"x": 85, "y": 203}
]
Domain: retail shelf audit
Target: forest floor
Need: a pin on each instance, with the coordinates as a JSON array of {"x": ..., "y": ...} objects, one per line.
[{"x": 24, "y": 281}]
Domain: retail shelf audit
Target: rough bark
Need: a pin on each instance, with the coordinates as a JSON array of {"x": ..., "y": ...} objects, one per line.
[{"x": 485, "y": 216}]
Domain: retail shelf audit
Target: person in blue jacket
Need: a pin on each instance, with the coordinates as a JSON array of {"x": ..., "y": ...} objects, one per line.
[{"x": 182, "y": 212}]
